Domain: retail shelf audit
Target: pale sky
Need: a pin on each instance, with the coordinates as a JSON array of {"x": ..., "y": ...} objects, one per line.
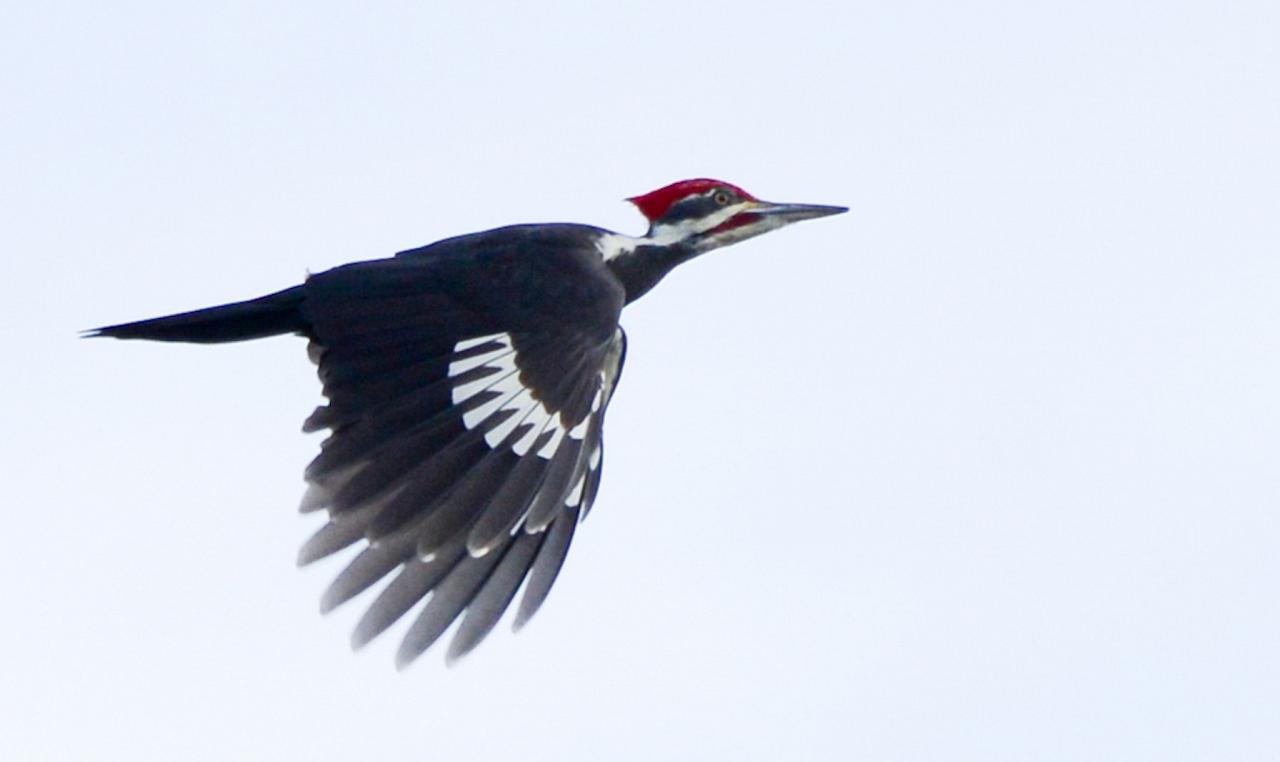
[{"x": 985, "y": 469}]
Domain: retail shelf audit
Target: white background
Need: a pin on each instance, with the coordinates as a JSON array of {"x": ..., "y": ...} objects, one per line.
[{"x": 985, "y": 469}]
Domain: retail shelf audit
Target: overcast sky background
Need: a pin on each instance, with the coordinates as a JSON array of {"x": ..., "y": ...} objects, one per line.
[{"x": 984, "y": 470}]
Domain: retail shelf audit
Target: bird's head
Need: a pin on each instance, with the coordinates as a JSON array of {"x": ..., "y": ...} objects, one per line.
[{"x": 706, "y": 214}]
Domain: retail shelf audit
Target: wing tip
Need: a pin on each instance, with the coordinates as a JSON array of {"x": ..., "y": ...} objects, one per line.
[
  {"x": 457, "y": 652},
  {"x": 327, "y": 604},
  {"x": 408, "y": 653},
  {"x": 361, "y": 637},
  {"x": 403, "y": 661}
]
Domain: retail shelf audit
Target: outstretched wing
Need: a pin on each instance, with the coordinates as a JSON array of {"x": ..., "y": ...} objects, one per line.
[{"x": 465, "y": 429}]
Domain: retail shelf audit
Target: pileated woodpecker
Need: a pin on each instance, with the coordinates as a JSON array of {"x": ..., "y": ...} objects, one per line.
[{"x": 467, "y": 382}]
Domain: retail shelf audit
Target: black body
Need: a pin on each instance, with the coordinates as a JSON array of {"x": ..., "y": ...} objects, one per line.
[
  {"x": 467, "y": 383},
  {"x": 401, "y": 468}
]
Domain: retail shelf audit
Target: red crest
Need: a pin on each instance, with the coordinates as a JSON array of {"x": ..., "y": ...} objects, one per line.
[{"x": 654, "y": 204}]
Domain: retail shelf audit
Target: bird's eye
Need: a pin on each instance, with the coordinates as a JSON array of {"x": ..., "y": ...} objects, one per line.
[{"x": 722, "y": 197}]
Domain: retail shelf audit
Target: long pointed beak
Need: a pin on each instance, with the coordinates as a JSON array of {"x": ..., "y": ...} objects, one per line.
[{"x": 795, "y": 212}]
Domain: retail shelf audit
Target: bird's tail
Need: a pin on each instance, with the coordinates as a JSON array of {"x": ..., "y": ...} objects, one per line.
[{"x": 254, "y": 319}]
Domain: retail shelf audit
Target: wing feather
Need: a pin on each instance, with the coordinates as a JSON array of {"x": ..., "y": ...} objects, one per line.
[
  {"x": 510, "y": 503},
  {"x": 550, "y": 498},
  {"x": 546, "y": 566},
  {"x": 463, "y": 438},
  {"x": 458, "y": 510},
  {"x": 414, "y": 581},
  {"x": 372, "y": 564},
  {"x": 484, "y": 611},
  {"x": 447, "y": 600}
]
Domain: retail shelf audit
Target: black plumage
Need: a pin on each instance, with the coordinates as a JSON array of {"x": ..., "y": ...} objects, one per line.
[{"x": 466, "y": 385}]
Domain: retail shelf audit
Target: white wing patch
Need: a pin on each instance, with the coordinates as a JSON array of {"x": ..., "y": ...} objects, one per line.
[
  {"x": 511, "y": 394},
  {"x": 575, "y": 496}
]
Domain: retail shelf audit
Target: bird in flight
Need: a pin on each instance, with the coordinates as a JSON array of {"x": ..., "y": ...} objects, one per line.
[{"x": 467, "y": 382}]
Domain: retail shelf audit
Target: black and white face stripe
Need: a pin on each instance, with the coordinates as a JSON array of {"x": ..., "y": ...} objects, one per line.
[
  {"x": 685, "y": 219},
  {"x": 696, "y": 215},
  {"x": 697, "y": 207}
]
